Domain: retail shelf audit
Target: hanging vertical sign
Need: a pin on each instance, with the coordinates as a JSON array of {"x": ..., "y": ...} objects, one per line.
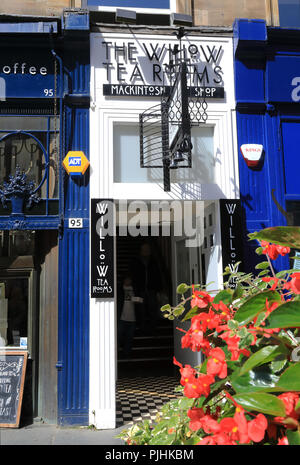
[
  {"x": 102, "y": 248},
  {"x": 231, "y": 235}
]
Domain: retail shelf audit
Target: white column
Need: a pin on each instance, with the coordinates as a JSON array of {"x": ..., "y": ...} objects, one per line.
[{"x": 102, "y": 403}]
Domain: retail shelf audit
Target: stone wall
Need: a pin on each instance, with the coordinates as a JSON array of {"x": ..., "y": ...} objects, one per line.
[
  {"x": 224, "y": 12},
  {"x": 37, "y": 7}
]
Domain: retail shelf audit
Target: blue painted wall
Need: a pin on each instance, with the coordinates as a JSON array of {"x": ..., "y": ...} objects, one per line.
[
  {"x": 73, "y": 331},
  {"x": 266, "y": 62}
]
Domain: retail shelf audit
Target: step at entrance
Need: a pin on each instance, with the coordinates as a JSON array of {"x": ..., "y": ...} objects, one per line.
[{"x": 151, "y": 353}]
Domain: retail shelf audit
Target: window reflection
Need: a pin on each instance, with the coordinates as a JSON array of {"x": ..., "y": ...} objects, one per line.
[
  {"x": 15, "y": 243},
  {"x": 26, "y": 150}
]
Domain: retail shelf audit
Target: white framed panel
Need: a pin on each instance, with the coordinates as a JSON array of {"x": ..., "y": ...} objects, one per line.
[{"x": 103, "y": 121}]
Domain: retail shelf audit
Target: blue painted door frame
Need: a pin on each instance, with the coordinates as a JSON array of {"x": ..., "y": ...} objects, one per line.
[
  {"x": 73, "y": 329},
  {"x": 73, "y": 325},
  {"x": 266, "y": 114}
]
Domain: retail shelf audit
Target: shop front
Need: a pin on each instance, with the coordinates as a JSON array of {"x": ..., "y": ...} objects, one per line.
[
  {"x": 43, "y": 115},
  {"x": 267, "y": 103},
  {"x": 165, "y": 215}
]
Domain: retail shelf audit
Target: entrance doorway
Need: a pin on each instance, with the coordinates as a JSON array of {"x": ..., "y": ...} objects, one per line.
[
  {"x": 28, "y": 314},
  {"x": 146, "y": 379},
  {"x": 151, "y": 348}
]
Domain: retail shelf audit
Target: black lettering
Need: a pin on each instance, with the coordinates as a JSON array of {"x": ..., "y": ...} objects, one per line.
[
  {"x": 107, "y": 45},
  {"x": 155, "y": 55},
  {"x": 156, "y": 71},
  {"x": 120, "y": 69},
  {"x": 218, "y": 71},
  {"x": 136, "y": 74},
  {"x": 120, "y": 50},
  {"x": 131, "y": 50}
]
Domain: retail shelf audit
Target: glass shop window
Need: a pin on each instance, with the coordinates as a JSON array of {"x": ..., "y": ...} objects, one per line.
[
  {"x": 16, "y": 243},
  {"x": 127, "y": 158},
  {"x": 31, "y": 143},
  {"x": 289, "y": 13}
]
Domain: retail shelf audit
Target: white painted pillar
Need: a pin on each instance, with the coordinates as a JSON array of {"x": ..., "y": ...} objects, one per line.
[{"x": 102, "y": 403}]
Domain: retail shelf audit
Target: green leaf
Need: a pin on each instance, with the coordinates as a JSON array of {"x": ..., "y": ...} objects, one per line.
[
  {"x": 290, "y": 378},
  {"x": 262, "y": 356},
  {"x": 255, "y": 305},
  {"x": 288, "y": 236},
  {"x": 192, "y": 441},
  {"x": 282, "y": 273},
  {"x": 278, "y": 364},
  {"x": 262, "y": 266},
  {"x": 285, "y": 316},
  {"x": 263, "y": 273},
  {"x": 232, "y": 324},
  {"x": 182, "y": 288},
  {"x": 178, "y": 310},
  {"x": 293, "y": 437},
  {"x": 246, "y": 341},
  {"x": 259, "y": 250},
  {"x": 225, "y": 296},
  {"x": 261, "y": 402},
  {"x": 166, "y": 307},
  {"x": 194, "y": 311},
  {"x": 260, "y": 319},
  {"x": 238, "y": 292}
]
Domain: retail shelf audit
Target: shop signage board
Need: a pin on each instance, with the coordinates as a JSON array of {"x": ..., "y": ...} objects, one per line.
[
  {"x": 28, "y": 75},
  {"x": 12, "y": 378},
  {"x": 231, "y": 234},
  {"x": 283, "y": 79},
  {"x": 141, "y": 66},
  {"x": 102, "y": 248}
]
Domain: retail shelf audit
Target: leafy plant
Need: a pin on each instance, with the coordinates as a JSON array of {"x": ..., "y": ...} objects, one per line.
[{"x": 247, "y": 389}]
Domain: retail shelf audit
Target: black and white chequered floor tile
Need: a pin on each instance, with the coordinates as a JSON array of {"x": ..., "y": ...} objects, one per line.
[{"x": 141, "y": 398}]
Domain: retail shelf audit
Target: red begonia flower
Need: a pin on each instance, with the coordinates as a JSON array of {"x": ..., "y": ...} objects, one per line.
[
  {"x": 195, "y": 415},
  {"x": 200, "y": 299},
  {"x": 290, "y": 400},
  {"x": 216, "y": 364},
  {"x": 294, "y": 283},
  {"x": 273, "y": 250},
  {"x": 257, "y": 428}
]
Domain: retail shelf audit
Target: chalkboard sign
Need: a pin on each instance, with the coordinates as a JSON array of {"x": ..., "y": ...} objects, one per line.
[{"x": 12, "y": 377}]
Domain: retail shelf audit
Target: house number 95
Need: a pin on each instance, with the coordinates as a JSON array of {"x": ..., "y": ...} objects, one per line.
[{"x": 75, "y": 223}]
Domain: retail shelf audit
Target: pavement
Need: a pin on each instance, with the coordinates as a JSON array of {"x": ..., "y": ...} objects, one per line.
[{"x": 45, "y": 435}]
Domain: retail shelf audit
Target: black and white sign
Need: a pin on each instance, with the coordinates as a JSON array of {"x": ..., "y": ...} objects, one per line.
[
  {"x": 102, "y": 248},
  {"x": 231, "y": 234},
  {"x": 128, "y": 90},
  {"x": 144, "y": 67}
]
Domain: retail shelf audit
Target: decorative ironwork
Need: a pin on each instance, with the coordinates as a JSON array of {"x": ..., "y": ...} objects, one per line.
[
  {"x": 165, "y": 129},
  {"x": 18, "y": 190}
]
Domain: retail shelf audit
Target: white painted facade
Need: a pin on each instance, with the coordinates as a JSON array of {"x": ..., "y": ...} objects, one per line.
[{"x": 107, "y": 112}]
